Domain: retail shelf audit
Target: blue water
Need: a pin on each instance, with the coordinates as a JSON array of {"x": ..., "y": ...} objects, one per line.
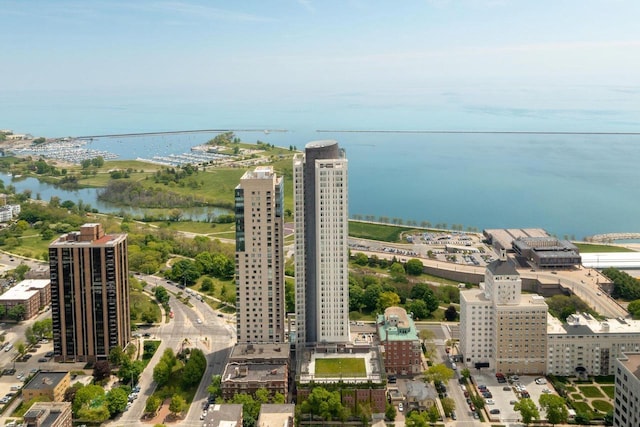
[{"x": 574, "y": 185}]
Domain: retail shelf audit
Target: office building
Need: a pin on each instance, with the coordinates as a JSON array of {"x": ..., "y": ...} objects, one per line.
[
  {"x": 626, "y": 411},
  {"x": 321, "y": 250},
  {"x": 89, "y": 294},
  {"x": 500, "y": 328},
  {"x": 259, "y": 200}
]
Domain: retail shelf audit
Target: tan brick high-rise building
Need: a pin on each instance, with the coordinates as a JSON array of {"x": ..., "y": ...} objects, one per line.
[
  {"x": 259, "y": 209},
  {"x": 89, "y": 294},
  {"x": 500, "y": 328}
]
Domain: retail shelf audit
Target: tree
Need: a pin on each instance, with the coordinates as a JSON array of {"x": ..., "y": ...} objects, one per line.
[
  {"x": 371, "y": 295},
  {"x": 116, "y": 355},
  {"x": 161, "y": 372},
  {"x": 117, "y": 399},
  {"x": 388, "y": 299},
  {"x": 290, "y": 296},
  {"x": 361, "y": 259},
  {"x": 101, "y": 370},
  {"x": 414, "y": 267},
  {"x": 356, "y": 298},
  {"x": 17, "y": 312},
  {"x": 21, "y": 348},
  {"x": 161, "y": 294},
  {"x": 177, "y": 405},
  {"x": 30, "y": 336},
  {"x": 194, "y": 368},
  {"x": 451, "y": 314},
  {"x": 152, "y": 405},
  {"x": 448, "y": 405},
  {"x": 390, "y": 412},
  {"x": 325, "y": 404},
  {"x": 214, "y": 388},
  {"x": 438, "y": 373},
  {"x": 85, "y": 395},
  {"x": 557, "y": 412},
  {"x": 466, "y": 373},
  {"x": 206, "y": 285},
  {"x": 419, "y": 309},
  {"x": 417, "y": 419},
  {"x": 634, "y": 308},
  {"x": 528, "y": 410},
  {"x": 397, "y": 272}
]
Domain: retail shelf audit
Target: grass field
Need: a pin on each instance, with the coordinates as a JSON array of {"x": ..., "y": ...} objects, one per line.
[
  {"x": 592, "y": 247},
  {"x": 381, "y": 232},
  {"x": 142, "y": 303},
  {"x": 602, "y": 405},
  {"x": 590, "y": 391},
  {"x": 347, "y": 367},
  {"x": 609, "y": 390}
]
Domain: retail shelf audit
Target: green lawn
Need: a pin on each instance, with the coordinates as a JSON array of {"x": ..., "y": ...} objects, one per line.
[
  {"x": 602, "y": 405},
  {"x": 381, "y": 232},
  {"x": 593, "y": 247},
  {"x": 348, "y": 367},
  {"x": 139, "y": 303},
  {"x": 226, "y": 231},
  {"x": 582, "y": 407},
  {"x": 609, "y": 390},
  {"x": 577, "y": 396},
  {"x": 590, "y": 391}
]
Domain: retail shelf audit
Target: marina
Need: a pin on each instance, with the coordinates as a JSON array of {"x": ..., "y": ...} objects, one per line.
[{"x": 67, "y": 150}]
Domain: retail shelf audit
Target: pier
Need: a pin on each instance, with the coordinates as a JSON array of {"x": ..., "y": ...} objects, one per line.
[
  {"x": 178, "y": 132},
  {"x": 610, "y": 237}
]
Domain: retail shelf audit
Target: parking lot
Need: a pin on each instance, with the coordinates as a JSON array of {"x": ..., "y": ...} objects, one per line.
[{"x": 505, "y": 394}]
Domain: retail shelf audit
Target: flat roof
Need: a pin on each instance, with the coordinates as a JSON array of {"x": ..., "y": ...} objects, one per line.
[
  {"x": 631, "y": 361},
  {"x": 254, "y": 372},
  {"x": 505, "y": 236},
  {"x": 275, "y": 351},
  {"x": 224, "y": 415},
  {"x": 45, "y": 380},
  {"x": 273, "y": 415},
  {"x": 585, "y": 324},
  {"x": 372, "y": 362},
  {"x": 24, "y": 290}
]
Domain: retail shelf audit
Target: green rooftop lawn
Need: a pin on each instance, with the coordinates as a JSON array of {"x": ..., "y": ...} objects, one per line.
[
  {"x": 348, "y": 367},
  {"x": 590, "y": 391}
]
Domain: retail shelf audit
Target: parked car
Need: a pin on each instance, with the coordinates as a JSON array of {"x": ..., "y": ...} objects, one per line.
[
  {"x": 494, "y": 411},
  {"x": 400, "y": 407}
]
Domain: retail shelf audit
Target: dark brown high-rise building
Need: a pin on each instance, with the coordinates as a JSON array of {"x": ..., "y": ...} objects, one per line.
[{"x": 89, "y": 294}]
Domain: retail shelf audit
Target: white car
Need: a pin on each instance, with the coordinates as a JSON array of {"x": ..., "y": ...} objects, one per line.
[
  {"x": 199, "y": 321},
  {"x": 541, "y": 381},
  {"x": 490, "y": 402},
  {"x": 400, "y": 407}
]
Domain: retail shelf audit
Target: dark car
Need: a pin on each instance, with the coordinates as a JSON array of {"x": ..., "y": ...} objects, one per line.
[
  {"x": 494, "y": 411},
  {"x": 49, "y": 354},
  {"x": 43, "y": 360}
]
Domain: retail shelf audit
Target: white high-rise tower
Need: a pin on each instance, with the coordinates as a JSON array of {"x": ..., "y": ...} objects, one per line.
[{"x": 322, "y": 228}]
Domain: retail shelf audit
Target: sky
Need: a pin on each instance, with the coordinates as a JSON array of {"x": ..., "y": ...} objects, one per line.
[{"x": 525, "y": 51}]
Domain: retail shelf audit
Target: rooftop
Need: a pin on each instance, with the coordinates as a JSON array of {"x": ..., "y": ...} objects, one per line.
[
  {"x": 24, "y": 290},
  {"x": 631, "y": 361},
  {"x": 373, "y": 367},
  {"x": 254, "y": 372},
  {"x": 226, "y": 415},
  {"x": 585, "y": 324},
  {"x": 272, "y": 415},
  {"x": 396, "y": 325},
  {"x": 276, "y": 351},
  {"x": 45, "y": 380}
]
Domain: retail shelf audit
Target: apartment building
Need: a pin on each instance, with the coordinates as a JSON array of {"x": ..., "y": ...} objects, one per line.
[
  {"x": 89, "y": 294},
  {"x": 399, "y": 337},
  {"x": 321, "y": 247},
  {"x": 259, "y": 209},
  {"x": 626, "y": 411},
  {"x": 49, "y": 414},
  {"x": 500, "y": 328},
  {"x": 588, "y": 346}
]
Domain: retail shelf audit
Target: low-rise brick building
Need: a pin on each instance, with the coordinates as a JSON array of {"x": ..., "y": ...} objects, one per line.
[
  {"x": 399, "y": 338},
  {"x": 49, "y": 384}
]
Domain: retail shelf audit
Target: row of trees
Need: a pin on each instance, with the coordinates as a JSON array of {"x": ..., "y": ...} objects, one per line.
[
  {"x": 412, "y": 223},
  {"x": 625, "y": 286}
]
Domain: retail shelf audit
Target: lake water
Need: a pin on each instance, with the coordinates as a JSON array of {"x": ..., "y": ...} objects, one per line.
[
  {"x": 574, "y": 185},
  {"x": 90, "y": 196}
]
